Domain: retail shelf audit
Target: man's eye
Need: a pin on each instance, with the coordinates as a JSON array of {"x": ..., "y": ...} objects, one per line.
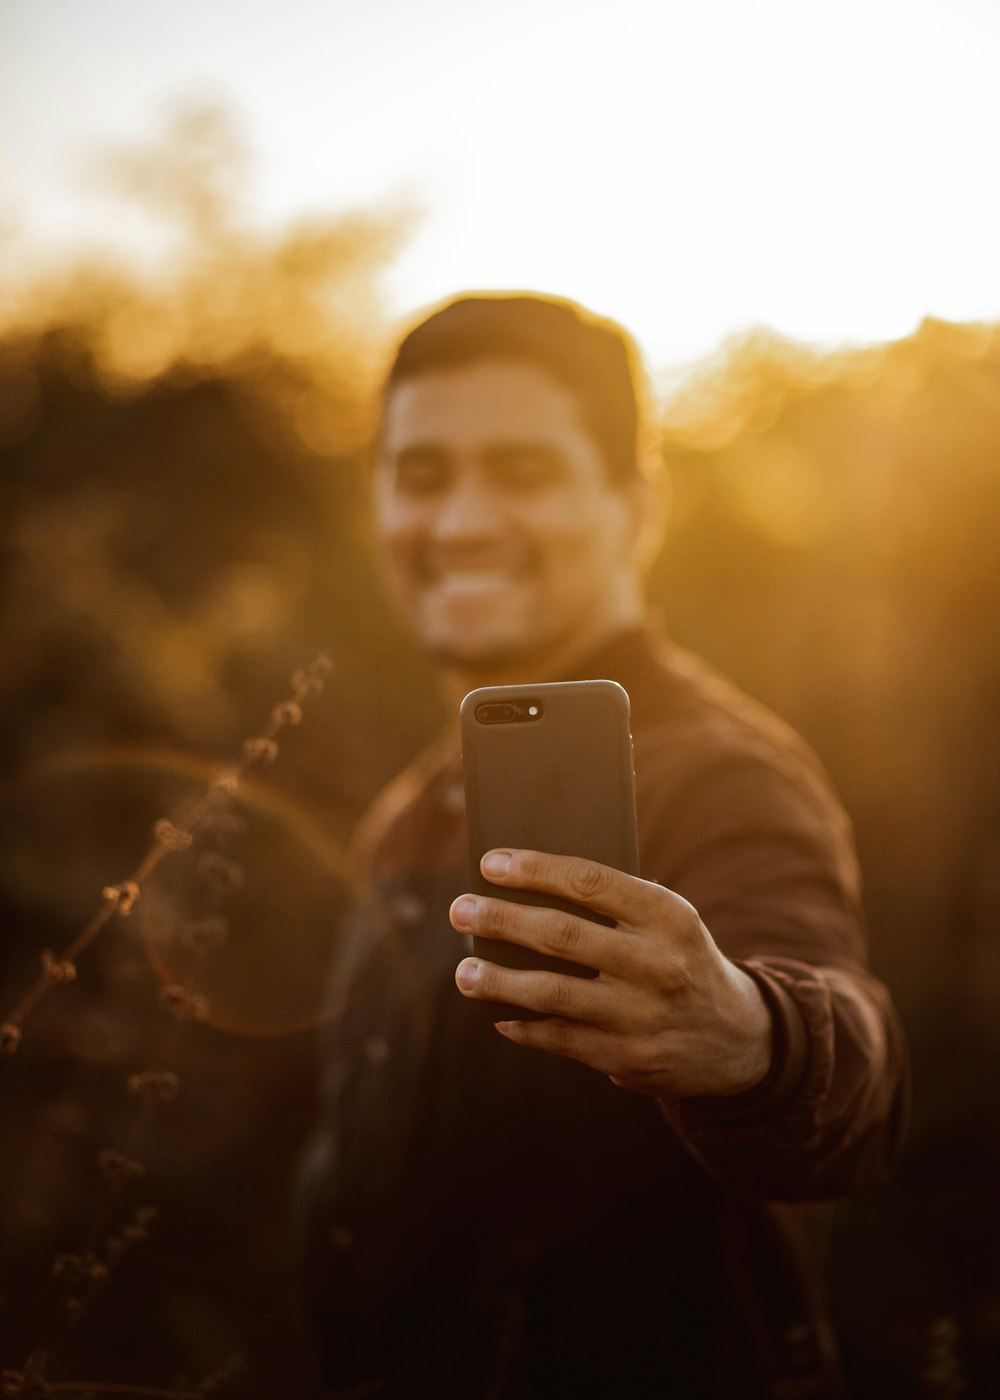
[
  {"x": 527, "y": 468},
  {"x": 421, "y": 474}
]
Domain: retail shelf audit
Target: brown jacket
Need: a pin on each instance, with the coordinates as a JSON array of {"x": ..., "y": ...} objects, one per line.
[{"x": 487, "y": 1221}]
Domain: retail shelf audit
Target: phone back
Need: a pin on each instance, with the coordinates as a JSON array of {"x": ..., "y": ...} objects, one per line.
[{"x": 548, "y": 768}]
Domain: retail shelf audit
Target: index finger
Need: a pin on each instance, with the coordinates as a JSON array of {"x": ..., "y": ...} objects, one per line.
[{"x": 626, "y": 899}]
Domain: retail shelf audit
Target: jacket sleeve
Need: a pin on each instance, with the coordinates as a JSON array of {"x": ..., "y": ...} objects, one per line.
[
  {"x": 763, "y": 850},
  {"x": 831, "y": 1113}
]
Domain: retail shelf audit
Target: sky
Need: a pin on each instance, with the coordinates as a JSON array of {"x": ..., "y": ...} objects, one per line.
[{"x": 694, "y": 168}]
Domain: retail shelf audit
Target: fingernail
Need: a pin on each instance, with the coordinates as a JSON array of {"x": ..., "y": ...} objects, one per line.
[
  {"x": 463, "y": 911},
  {"x": 467, "y": 974},
  {"x": 496, "y": 863},
  {"x": 503, "y": 1026}
]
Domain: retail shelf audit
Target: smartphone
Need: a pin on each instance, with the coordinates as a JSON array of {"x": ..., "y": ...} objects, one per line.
[{"x": 547, "y": 768}]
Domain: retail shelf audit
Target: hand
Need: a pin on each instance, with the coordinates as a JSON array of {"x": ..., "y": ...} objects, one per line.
[{"x": 667, "y": 1014}]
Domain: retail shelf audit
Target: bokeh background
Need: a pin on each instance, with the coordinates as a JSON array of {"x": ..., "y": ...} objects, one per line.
[{"x": 794, "y": 207}]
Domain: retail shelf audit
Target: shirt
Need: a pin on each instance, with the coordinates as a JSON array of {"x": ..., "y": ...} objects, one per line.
[{"x": 490, "y": 1221}]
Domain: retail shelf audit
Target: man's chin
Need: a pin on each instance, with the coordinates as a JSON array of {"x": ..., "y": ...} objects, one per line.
[
  {"x": 453, "y": 654},
  {"x": 481, "y": 660}
]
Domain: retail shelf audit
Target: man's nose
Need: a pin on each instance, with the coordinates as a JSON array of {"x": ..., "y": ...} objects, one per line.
[{"x": 468, "y": 511}]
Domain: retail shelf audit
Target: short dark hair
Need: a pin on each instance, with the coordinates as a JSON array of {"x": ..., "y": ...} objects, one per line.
[{"x": 592, "y": 357}]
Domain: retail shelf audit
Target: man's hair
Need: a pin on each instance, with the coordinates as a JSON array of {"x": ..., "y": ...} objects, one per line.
[{"x": 592, "y": 357}]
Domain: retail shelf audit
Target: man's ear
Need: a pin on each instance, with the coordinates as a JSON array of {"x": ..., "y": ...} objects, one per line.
[{"x": 649, "y": 501}]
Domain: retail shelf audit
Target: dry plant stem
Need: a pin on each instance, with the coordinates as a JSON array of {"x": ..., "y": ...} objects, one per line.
[
  {"x": 73, "y": 1306},
  {"x": 169, "y": 837},
  {"x": 117, "y": 1183},
  {"x": 74, "y": 1303}
]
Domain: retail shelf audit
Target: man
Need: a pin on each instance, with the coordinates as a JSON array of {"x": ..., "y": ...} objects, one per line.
[{"x": 622, "y": 1197}]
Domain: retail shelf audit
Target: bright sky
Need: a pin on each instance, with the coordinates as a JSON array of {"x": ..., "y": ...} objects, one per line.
[{"x": 692, "y": 167}]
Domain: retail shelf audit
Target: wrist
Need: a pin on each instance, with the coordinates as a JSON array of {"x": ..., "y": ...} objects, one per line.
[{"x": 753, "y": 1040}]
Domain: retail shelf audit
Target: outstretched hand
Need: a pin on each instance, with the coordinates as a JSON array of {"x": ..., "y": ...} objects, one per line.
[{"x": 667, "y": 1013}]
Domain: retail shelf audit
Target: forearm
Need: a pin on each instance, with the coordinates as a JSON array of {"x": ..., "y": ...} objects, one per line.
[{"x": 830, "y": 1114}]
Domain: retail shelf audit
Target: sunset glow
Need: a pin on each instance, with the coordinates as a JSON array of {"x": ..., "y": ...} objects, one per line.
[{"x": 694, "y": 169}]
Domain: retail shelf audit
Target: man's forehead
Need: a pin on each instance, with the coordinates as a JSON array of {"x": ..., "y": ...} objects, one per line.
[{"x": 488, "y": 400}]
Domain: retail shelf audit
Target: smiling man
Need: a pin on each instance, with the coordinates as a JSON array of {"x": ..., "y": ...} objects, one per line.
[
  {"x": 622, "y": 1197},
  {"x": 503, "y": 544}
]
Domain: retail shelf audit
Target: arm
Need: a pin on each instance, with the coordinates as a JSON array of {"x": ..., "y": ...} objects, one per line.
[{"x": 784, "y": 1078}]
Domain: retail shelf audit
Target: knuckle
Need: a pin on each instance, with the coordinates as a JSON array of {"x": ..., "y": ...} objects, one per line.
[
  {"x": 655, "y": 902},
  {"x": 666, "y": 971},
  {"x": 588, "y": 879},
  {"x": 557, "y": 992},
  {"x": 686, "y": 920},
  {"x": 558, "y": 1036},
  {"x": 675, "y": 976},
  {"x": 665, "y": 906},
  {"x": 588, "y": 1008},
  {"x": 562, "y": 933},
  {"x": 634, "y": 1065},
  {"x": 644, "y": 1056}
]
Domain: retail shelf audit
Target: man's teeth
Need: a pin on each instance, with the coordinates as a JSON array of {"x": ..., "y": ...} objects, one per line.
[{"x": 474, "y": 581}]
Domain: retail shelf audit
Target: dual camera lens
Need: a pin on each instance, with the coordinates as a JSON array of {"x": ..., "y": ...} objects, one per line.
[{"x": 508, "y": 711}]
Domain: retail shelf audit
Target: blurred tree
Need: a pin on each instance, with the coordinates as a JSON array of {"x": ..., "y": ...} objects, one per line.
[
  {"x": 183, "y": 471},
  {"x": 834, "y": 547}
]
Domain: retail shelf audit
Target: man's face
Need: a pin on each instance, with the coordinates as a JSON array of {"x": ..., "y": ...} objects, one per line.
[{"x": 504, "y": 543}]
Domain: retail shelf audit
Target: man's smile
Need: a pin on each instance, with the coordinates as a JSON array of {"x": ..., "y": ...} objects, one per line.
[
  {"x": 473, "y": 582},
  {"x": 483, "y": 573}
]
